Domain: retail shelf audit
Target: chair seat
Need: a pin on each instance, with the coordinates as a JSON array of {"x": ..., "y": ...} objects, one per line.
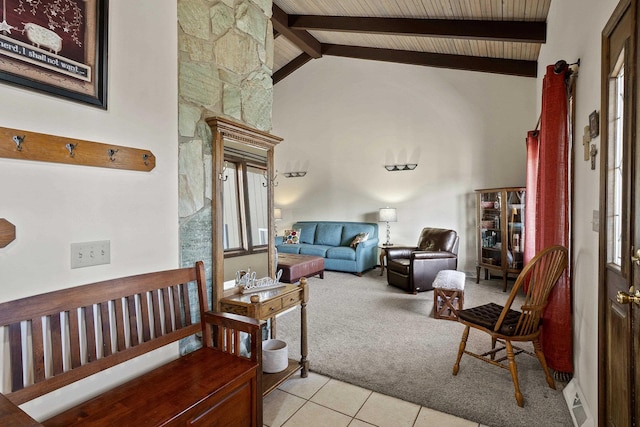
[{"x": 487, "y": 316}]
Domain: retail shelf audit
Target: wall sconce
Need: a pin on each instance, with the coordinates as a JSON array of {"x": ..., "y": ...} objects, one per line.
[
  {"x": 405, "y": 167},
  {"x": 387, "y": 215},
  {"x": 295, "y": 174}
]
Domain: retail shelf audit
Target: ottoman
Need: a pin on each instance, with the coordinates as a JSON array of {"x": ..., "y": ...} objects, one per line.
[
  {"x": 295, "y": 266},
  {"x": 448, "y": 294}
]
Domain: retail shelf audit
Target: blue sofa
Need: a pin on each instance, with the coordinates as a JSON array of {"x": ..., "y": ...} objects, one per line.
[{"x": 331, "y": 240}]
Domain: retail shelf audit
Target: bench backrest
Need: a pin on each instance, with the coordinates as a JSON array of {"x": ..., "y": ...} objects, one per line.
[{"x": 66, "y": 335}]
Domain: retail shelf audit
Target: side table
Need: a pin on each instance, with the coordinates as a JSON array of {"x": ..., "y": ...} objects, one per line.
[
  {"x": 265, "y": 305},
  {"x": 383, "y": 256}
]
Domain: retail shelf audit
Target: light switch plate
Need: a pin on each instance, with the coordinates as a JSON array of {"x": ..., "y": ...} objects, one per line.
[
  {"x": 86, "y": 254},
  {"x": 596, "y": 221}
]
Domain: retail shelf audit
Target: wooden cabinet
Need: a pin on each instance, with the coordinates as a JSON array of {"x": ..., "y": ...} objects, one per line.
[
  {"x": 265, "y": 305},
  {"x": 500, "y": 225}
]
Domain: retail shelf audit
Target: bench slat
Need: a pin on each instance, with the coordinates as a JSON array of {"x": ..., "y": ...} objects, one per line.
[
  {"x": 146, "y": 318},
  {"x": 157, "y": 321},
  {"x": 118, "y": 325},
  {"x": 37, "y": 342},
  {"x": 168, "y": 324},
  {"x": 56, "y": 343},
  {"x": 90, "y": 329},
  {"x": 177, "y": 315},
  {"x": 106, "y": 328},
  {"x": 15, "y": 346},
  {"x": 133, "y": 320},
  {"x": 185, "y": 303},
  {"x": 74, "y": 339}
]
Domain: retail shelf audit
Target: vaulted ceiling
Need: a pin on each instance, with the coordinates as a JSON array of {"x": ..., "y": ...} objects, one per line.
[{"x": 495, "y": 36}]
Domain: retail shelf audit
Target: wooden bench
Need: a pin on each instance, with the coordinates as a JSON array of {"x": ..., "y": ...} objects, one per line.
[{"x": 60, "y": 337}]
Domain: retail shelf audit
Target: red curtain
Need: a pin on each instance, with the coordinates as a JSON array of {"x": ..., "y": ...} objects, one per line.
[{"x": 547, "y": 216}]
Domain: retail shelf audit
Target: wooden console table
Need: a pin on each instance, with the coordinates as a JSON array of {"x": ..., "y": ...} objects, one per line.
[{"x": 265, "y": 305}]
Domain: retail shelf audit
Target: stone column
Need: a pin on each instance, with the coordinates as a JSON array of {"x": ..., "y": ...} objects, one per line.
[{"x": 225, "y": 60}]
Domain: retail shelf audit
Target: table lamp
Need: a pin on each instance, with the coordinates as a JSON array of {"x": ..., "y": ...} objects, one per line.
[{"x": 387, "y": 215}]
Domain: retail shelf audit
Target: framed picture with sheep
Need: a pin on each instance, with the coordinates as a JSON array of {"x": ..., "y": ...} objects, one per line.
[{"x": 56, "y": 46}]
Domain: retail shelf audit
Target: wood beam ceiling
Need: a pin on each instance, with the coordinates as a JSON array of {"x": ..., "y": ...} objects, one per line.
[
  {"x": 458, "y": 62},
  {"x": 294, "y": 28},
  {"x": 305, "y": 41},
  {"x": 508, "y": 31}
]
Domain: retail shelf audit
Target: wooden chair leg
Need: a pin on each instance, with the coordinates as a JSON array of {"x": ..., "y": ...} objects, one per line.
[
  {"x": 514, "y": 373},
  {"x": 463, "y": 345},
  {"x": 538, "y": 349},
  {"x": 493, "y": 347}
]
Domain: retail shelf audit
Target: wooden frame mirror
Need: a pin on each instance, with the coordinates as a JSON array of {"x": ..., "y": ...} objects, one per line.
[{"x": 244, "y": 142}]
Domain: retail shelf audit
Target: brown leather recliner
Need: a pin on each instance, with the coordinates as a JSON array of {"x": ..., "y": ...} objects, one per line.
[{"x": 413, "y": 269}]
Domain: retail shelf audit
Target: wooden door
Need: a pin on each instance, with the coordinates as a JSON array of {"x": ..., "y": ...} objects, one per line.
[{"x": 620, "y": 226}]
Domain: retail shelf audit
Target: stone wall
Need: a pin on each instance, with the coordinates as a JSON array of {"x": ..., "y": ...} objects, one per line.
[{"x": 225, "y": 62}]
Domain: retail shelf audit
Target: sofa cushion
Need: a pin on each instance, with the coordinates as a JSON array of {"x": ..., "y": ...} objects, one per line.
[
  {"x": 289, "y": 249},
  {"x": 329, "y": 234},
  {"x": 342, "y": 252},
  {"x": 360, "y": 237},
  {"x": 350, "y": 231},
  {"x": 292, "y": 236},
  {"x": 307, "y": 232},
  {"x": 315, "y": 250}
]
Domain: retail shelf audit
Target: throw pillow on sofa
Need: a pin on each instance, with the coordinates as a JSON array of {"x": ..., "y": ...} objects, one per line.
[
  {"x": 360, "y": 237},
  {"x": 291, "y": 237}
]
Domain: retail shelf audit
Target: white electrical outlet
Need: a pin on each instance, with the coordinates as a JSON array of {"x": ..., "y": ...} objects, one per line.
[{"x": 90, "y": 253}]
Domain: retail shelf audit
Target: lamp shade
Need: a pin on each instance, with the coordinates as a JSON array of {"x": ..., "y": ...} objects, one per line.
[
  {"x": 387, "y": 215},
  {"x": 277, "y": 213}
]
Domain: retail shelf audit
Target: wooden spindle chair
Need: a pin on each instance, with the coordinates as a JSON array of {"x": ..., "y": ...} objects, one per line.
[{"x": 506, "y": 325}]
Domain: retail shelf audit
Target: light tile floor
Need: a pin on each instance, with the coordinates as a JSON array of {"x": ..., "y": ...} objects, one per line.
[{"x": 318, "y": 401}]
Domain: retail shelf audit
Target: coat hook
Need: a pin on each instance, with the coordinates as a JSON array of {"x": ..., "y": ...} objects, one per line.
[
  {"x": 267, "y": 179},
  {"x": 221, "y": 175},
  {"x": 18, "y": 140},
  {"x": 111, "y": 153},
  {"x": 145, "y": 159},
  {"x": 71, "y": 148}
]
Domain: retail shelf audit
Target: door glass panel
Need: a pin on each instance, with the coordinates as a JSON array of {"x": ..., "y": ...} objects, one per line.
[
  {"x": 257, "y": 193},
  {"x": 231, "y": 236},
  {"x": 615, "y": 164}
]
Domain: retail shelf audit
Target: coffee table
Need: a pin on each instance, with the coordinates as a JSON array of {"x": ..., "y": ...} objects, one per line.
[{"x": 295, "y": 266}]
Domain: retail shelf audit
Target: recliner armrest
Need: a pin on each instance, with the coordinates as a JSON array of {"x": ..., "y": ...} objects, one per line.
[
  {"x": 396, "y": 252},
  {"x": 420, "y": 255}
]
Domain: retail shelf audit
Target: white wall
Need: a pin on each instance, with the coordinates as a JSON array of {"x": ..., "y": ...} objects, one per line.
[
  {"x": 574, "y": 31},
  {"x": 53, "y": 205},
  {"x": 342, "y": 120}
]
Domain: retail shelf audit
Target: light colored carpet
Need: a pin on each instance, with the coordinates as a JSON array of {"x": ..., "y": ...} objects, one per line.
[{"x": 364, "y": 332}]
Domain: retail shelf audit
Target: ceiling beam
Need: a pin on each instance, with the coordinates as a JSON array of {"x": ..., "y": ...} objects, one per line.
[
  {"x": 460, "y": 62},
  {"x": 296, "y": 63},
  {"x": 508, "y": 31},
  {"x": 301, "y": 38}
]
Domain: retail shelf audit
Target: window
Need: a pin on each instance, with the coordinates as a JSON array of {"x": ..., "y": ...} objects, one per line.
[
  {"x": 615, "y": 163},
  {"x": 244, "y": 206}
]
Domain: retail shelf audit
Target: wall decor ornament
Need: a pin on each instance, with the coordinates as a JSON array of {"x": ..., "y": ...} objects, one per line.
[
  {"x": 7, "y": 232},
  {"x": 57, "y": 47},
  {"x": 594, "y": 124}
]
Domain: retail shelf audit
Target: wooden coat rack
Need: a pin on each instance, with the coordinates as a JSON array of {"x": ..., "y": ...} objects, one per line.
[{"x": 24, "y": 145}]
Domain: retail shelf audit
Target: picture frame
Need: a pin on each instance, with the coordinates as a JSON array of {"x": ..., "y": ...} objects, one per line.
[
  {"x": 594, "y": 124},
  {"x": 56, "y": 47}
]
